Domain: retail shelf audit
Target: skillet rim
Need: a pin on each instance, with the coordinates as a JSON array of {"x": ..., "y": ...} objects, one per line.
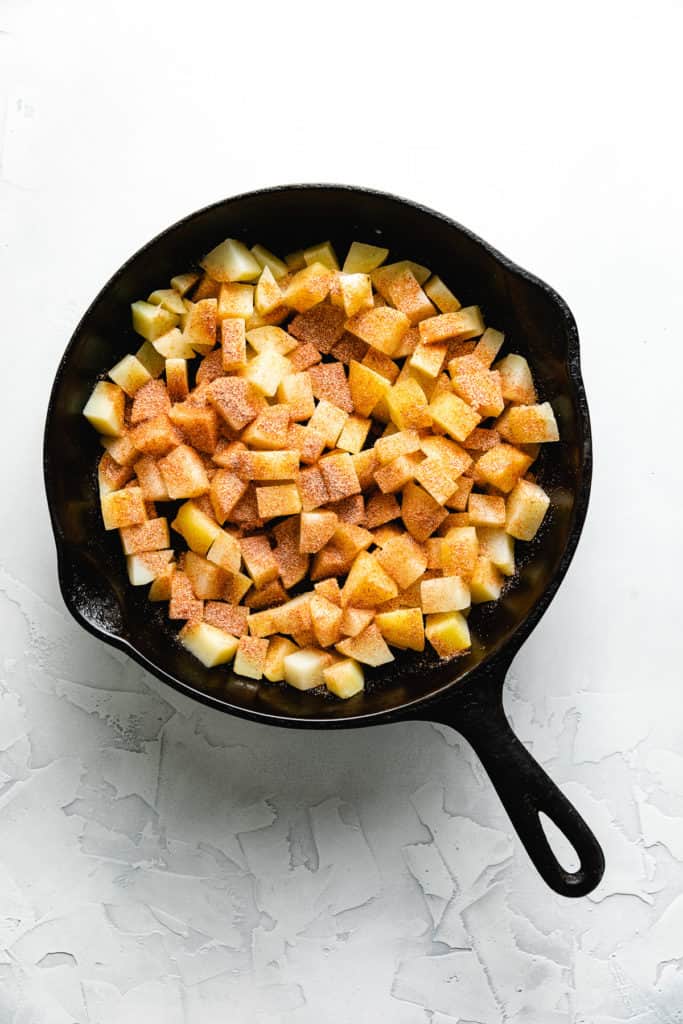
[{"x": 494, "y": 664}]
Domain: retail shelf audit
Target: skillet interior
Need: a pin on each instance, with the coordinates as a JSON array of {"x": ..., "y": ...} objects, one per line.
[{"x": 537, "y": 324}]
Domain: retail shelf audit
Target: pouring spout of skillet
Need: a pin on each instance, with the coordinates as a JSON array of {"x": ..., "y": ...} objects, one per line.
[{"x": 464, "y": 693}]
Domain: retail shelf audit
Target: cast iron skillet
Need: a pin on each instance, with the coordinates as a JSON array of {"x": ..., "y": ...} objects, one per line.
[{"x": 465, "y": 693}]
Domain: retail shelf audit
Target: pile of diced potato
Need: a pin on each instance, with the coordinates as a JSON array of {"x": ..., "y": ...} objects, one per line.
[{"x": 346, "y": 451}]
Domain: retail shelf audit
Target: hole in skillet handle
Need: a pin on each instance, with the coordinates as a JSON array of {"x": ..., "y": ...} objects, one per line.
[{"x": 525, "y": 789}]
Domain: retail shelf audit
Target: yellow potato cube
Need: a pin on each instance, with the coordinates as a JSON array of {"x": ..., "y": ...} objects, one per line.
[
  {"x": 278, "y": 500},
  {"x": 397, "y": 473},
  {"x": 316, "y": 529},
  {"x": 524, "y": 424},
  {"x": 367, "y": 583},
  {"x": 435, "y": 476},
  {"x": 486, "y": 583},
  {"x": 362, "y": 258},
  {"x": 405, "y": 293},
  {"x": 304, "y": 668},
  {"x": 486, "y": 510},
  {"x": 270, "y": 430},
  {"x": 169, "y": 299},
  {"x": 231, "y": 261},
  {"x": 212, "y": 646},
  {"x": 160, "y": 589},
  {"x": 448, "y": 633},
  {"x": 198, "y": 529},
  {"x": 236, "y": 586},
  {"x": 225, "y": 552},
  {"x": 367, "y": 387},
  {"x": 152, "y": 321},
  {"x": 250, "y": 657},
  {"x": 355, "y": 293},
  {"x": 382, "y": 328},
  {"x": 403, "y": 558},
  {"x": 262, "y": 339},
  {"x": 184, "y": 473},
  {"x": 444, "y": 594},
  {"x": 152, "y": 535},
  {"x": 498, "y": 546},
  {"x": 403, "y": 627},
  {"x": 354, "y": 434},
  {"x": 344, "y": 678},
  {"x": 233, "y": 344},
  {"x": 105, "y": 409},
  {"x": 453, "y": 415},
  {"x": 326, "y": 618},
  {"x": 502, "y": 466},
  {"x": 328, "y": 420},
  {"x": 207, "y": 578},
  {"x": 368, "y": 647},
  {"x": 459, "y": 552},
  {"x": 382, "y": 277},
  {"x": 172, "y": 345},
  {"x": 259, "y": 559},
  {"x": 488, "y": 346},
  {"x": 442, "y": 297},
  {"x": 235, "y": 300},
  {"x": 517, "y": 384},
  {"x": 268, "y": 295},
  {"x": 308, "y": 287},
  {"x": 279, "y": 465},
  {"x": 266, "y": 371},
  {"x": 123, "y": 508},
  {"x": 130, "y": 374},
  {"x": 145, "y": 567},
  {"x": 152, "y": 361},
  {"x": 200, "y": 326},
  {"x": 460, "y": 326},
  {"x": 339, "y": 475},
  {"x": 322, "y": 253},
  {"x": 265, "y": 258},
  {"x": 421, "y": 514},
  {"x": 296, "y": 391},
  {"x": 177, "y": 383},
  {"x": 274, "y": 666},
  {"x": 527, "y": 505},
  {"x": 408, "y": 406}
]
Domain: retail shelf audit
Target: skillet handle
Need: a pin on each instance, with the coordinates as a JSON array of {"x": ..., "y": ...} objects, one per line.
[{"x": 527, "y": 791}]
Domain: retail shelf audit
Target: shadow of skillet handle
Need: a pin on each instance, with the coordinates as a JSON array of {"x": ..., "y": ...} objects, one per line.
[{"x": 524, "y": 788}]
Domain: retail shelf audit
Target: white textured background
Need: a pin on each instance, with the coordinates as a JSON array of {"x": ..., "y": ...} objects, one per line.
[{"x": 161, "y": 864}]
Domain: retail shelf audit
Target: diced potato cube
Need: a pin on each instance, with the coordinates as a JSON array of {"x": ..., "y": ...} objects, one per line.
[
  {"x": 129, "y": 374},
  {"x": 160, "y": 588},
  {"x": 309, "y": 443},
  {"x": 152, "y": 321},
  {"x": 184, "y": 473},
  {"x": 295, "y": 260},
  {"x": 225, "y": 552},
  {"x": 105, "y": 409},
  {"x": 350, "y": 538},
  {"x": 123, "y": 508},
  {"x": 322, "y": 253},
  {"x": 183, "y": 282},
  {"x": 308, "y": 287},
  {"x": 355, "y": 620},
  {"x": 355, "y": 293},
  {"x": 420, "y": 512},
  {"x": 460, "y": 496},
  {"x": 226, "y": 490},
  {"x": 339, "y": 475},
  {"x": 489, "y": 345},
  {"x": 460, "y": 326},
  {"x": 442, "y": 297},
  {"x": 207, "y": 288},
  {"x": 267, "y": 338},
  {"x": 434, "y": 475},
  {"x": 279, "y": 465},
  {"x": 382, "y": 328},
  {"x": 312, "y": 488},
  {"x": 266, "y": 371},
  {"x": 404, "y": 559},
  {"x": 259, "y": 559},
  {"x": 169, "y": 299},
  {"x": 326, "y": 618},
  {"x": 529, "y": 424},
  {"x": 444, "y": 594},
  {"x": 401, "y": 442},
  {"x": 145, "y": 567},
  {"x": 212, "y": 646},
  {"x": 344, "y": 678},
  {"x": 403, "y": 628},
  {"x": 517, "y": 384},
  {"x": 329, "y": 589},
  {"x": 269, "y": 431},
  {"x": 380, "y": 509},
  {"x": 316, "y": 529},
  {"x": 486, "y": 583},
  {"x": 265, "y": 258},
  {"x": 177, "y": 384},
  {"x": 329, "y": 382},
  {"x": 231, "y": 261},
  {"x": 367, "y": 387},
  {"x": 486, "y": 510},
  {"x": 198, "y": 424},
  {"x": 362, "y": 258},
  {"x": 479, "y": 387},
  {"x": 408, "y": 405},
  {"x": 198, "y": 529},
  {"x": 278, "y": 500},
  {"x": 367, "y": 584},
  {"x": 268, "y": 295},
  {"x": 207, "y": 578},
  {"x": 235, "y": 400},
  {"x": 183, "y": 603},
  {"x": 383, "y": 276},
  {"x": 172, "y": 345},
  {"x": 396, "y": 474},
  {"x": 152, "y": 535},
  {"x": 448, "y": 633},
  {"x": 296, "y": 392},
  {"x": 354, "y": 434},
  {"x": 200, "y": 326},
  {"x": 459, "y": 552},
  {"x": 304, "y": 668},
  {"x": 236, "y": 586},
  {"x": 269, "y": 596},
  {"x": 405, "y": 293},
  {"x": 152, "y": 361},
  {"x": 156, "y": 436},
  {"x": 502, "y": 466},
  {"x": 328, "y": 420},
  {"x": 527, "y": 505},
  {"x": 453, "y": 415},
  {"x": 498, "y": 546},
  {"x": 250, "y": 657},
  {"x": 368, "y": 647},
  {"x": 150, "y": 479},
  {"x": 278, "y": 649},
  {"x": 110, "y": 475},
  {"x": 236, "y": 300}
]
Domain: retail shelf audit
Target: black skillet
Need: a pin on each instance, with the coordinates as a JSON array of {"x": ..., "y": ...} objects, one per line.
[{"x": 465, "y": 693}]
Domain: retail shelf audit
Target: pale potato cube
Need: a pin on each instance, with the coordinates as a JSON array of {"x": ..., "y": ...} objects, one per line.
[
  {"x": 405, "y": 293},
  {"x": 354, "y": 434},
  {"x": 145, "y": 567},
  {"x": 265, "y": 258},
  {"x": 278, "y": 500},
  {"x": 454, "y": 416},
  {"x": 403, "y": 627},
  {"x": 396, "y": 474},
  {"x": 527, "y": 505},
  {"x": 198, "y": 529},
  {"x": 448, "y": 633},
  {"x": 269, "y": 337},
  {"x": 110, "y": 475},
  {"x": 476, "y": 385},
  {"x": 421, "y": 514},
  {"x": 308, "y": 287},
  {"x": 349, "y": 538},
  {"x": 184, "y": 473},
  {"x": 408, "y": 406},
  {"x": 152, "y": 535},
  {"x": 362, "y": 258},
  {"x": 328, "y": 420},
  {"x": 368, "y": 647},
  {"x": 274, "y": 666},
  {"x": 160, "y": 589},
  {"x": 183, "y": 282},
  {"x": 367, "y": 583},
  {"x": 169, "y": 299},
  {"x": 212, "y": 646},
  {"x": 460, "y": 326},
  {"x": 435, "y": 476},
  {"x": 344, "y": 678},
  {"x": 428, "y": 359},
  {"x": 382, "y": 277},
  {"x": 279, "y": 465},
  {"x": 322, "y": 253},
  {"x": 326, "y": 618},
  {"x": 367, "y": 387},
  {"x": 488, "y": 346},
  {"x": 404, "y": 559},
  {"x": 459, "y": 552},
  {"x": 200, "y": 326},
  {"x": 152, "y": 361},
  {"x": 498, "y": 546},
  {"x": 152, "y": 321},
  {"x": 296, "y": 391},
  {"x": 123, "y": 508},
  {"x": 517, "y": 384},
  {"x": 382, "y": 328},
  {"x": 486, "y": 583},
  {"x": 442, "y": 297},
  {"x": 444, "y": 594},
  {"x": 266, "y": 371},
  {"x": 486, "y": 510},
  {"x": 183, "y": 604},
  {"x": 268, "y": 295},
  {"x": 105, "y": 409},
  {"x": 235, "y": 400},
  {"x": 355, "y": 293},
  {"x": 172, "y": 345},
  {"x": 524, "y": 424},
  {"x": 225, "y": 552},
  {"x": 207, "y": 578},
  {"x": 235, "y": 300},
  {"x": 236, "y": 586},
  {"x": 231, "y": 261},
  {"x": 258, "y": 559},
  {"x": 400, "y": 442},
  {"x": 340, "y": 476},
  {"x": 502, "y": 466},
  {"x": 250, "y": 657},
  {"x": 316, "y": 529},
  {"x": 304, "y": 669}
]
